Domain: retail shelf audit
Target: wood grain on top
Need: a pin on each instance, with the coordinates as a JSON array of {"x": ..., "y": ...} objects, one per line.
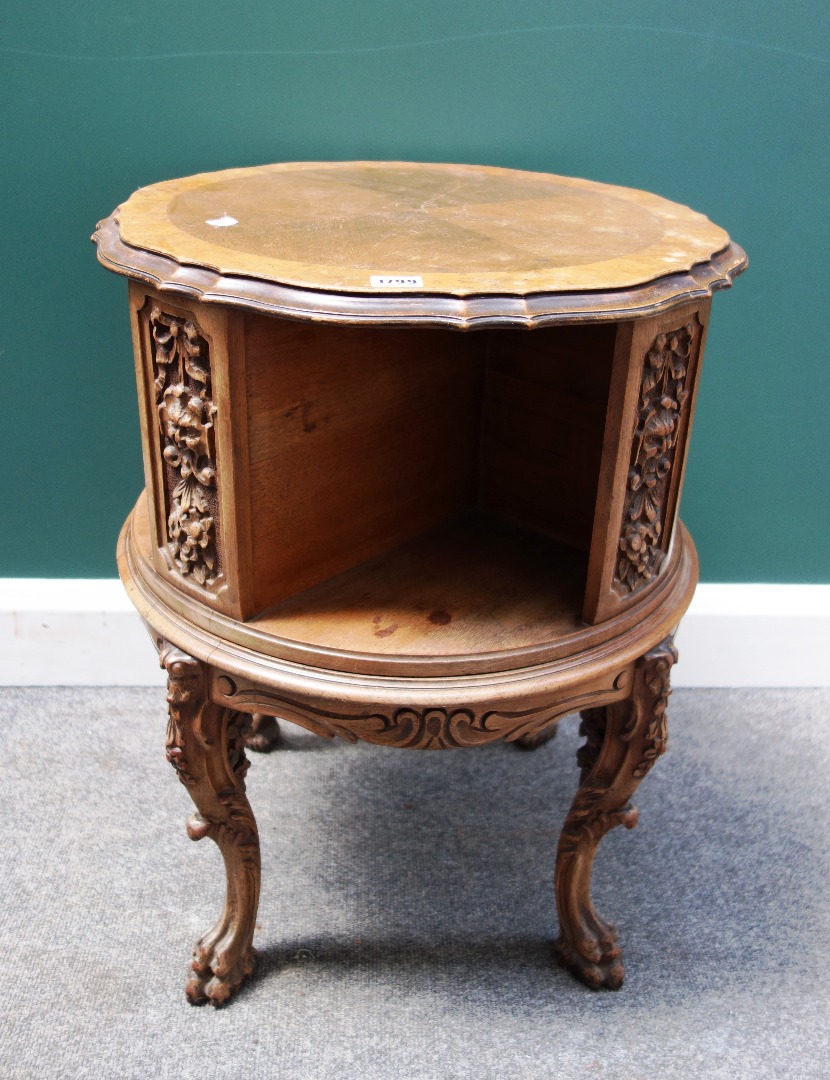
[{"x": 462, "y": 229}]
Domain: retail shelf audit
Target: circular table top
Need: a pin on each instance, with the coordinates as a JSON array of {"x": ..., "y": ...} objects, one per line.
[{"x": 361, "y": 233}]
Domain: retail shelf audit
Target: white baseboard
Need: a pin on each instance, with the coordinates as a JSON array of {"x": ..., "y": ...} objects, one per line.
[
  {"x": 69, "y": 632},
  {"x": 755, "y": 635},
  {"x": 72, "y": 632}
]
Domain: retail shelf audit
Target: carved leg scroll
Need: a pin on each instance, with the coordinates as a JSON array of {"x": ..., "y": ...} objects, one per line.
[
  {"x": 205, "y": 747},
  {"x": 622, "y": 743}
]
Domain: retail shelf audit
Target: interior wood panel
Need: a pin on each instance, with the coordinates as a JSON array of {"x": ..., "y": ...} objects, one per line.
[
  {"x": 358, "y": 439},
  {"x": 545, "y": 399}
]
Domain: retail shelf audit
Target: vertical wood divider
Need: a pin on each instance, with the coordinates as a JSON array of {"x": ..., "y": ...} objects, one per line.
[
  {"x": 230, "y": 383},
  {"x": 606, "y": 594},
  {"x": 222, "y": 330}
]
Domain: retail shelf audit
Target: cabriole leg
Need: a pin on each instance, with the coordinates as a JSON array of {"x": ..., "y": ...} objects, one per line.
[
  {"x": 205, "y": 747},
  {"x": 623, "y": 741}
]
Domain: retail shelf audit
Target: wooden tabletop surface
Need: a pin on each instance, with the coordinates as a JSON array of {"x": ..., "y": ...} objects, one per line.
[{"x": 457, "y": 230}]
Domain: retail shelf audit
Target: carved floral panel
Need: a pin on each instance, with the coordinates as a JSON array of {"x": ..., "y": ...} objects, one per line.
[
  {"x": 182, "y": 381},
  {"x": 662, "y": 403}
]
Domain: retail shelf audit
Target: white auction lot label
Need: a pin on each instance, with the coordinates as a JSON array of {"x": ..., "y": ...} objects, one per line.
[
  {"x": 396, "y": 281},
  {"x": 223, "y": 222}
]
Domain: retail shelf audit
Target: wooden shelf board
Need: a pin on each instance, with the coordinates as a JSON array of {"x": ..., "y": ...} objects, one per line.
[{"x": 475, "y": 586}]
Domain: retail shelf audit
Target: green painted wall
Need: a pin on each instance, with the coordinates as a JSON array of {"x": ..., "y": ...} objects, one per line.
[{"x": 721, "y": 106}]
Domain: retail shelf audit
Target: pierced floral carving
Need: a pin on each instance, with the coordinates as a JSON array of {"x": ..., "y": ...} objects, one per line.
[
  {"x": 181, "y": 368},
  {"x": 663, "y": 394}
]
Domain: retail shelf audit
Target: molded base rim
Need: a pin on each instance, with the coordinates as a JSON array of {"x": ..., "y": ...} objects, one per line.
[{"x": 604, "y": 665}]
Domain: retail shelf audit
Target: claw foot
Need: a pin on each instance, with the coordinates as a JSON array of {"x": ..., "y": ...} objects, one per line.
[
  {"x": 596, "y": 960},
  {"x": 263, "y": 735},
  {"x": 215, "y": 978}
]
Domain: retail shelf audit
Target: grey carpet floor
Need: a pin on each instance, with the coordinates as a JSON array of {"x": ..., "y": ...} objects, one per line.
[{"x": 407, "y": 907}]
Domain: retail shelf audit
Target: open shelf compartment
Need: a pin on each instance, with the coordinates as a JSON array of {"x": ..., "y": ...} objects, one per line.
[{"x": 422, "y": 490}]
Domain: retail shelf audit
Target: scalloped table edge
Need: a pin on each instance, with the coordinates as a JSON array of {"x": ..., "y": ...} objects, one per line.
[{"x": 415, "y": 309}]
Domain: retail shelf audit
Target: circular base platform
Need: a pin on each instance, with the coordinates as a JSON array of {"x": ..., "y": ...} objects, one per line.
[{"x": 469, "y": 697}]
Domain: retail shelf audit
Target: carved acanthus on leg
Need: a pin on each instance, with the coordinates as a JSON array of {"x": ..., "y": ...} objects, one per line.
[
  {"x": 623, "y": 741},
  {"x": 205, "y": 747}
]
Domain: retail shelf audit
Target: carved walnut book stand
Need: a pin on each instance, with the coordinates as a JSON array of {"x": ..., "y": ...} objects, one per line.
[{"x": 414, "y": 438}]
